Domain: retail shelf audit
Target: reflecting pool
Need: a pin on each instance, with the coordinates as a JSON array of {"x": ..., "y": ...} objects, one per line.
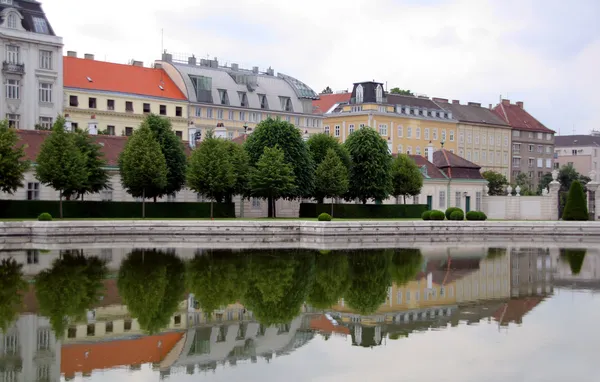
[{"x": 513, "y": 313}]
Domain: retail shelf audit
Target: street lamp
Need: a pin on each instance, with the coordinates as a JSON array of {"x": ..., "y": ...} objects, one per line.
[{"x": 245, "y": 129}]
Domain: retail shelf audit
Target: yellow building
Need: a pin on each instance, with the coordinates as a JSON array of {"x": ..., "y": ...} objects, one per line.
[
  {"x": 231, "y": 100},
  {"x": 408, "y": 123},
  {"x": 483, "y": 137},
  {"x": 113, "y": 99}
]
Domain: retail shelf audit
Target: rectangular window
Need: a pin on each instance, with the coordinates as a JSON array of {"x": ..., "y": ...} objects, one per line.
[
  {"x": 128, "y": 131},
  {"x": 33, "y": 191},
  {"x": 491, "y": 140},
  {"x": 326, "y": 129},
  {"x": 530, "y": 148},
  {"x": 483, "y": 157},
  {"x": 540, "y": 163},
  {"x": 483, "y": 139},
  {"x": 540, "y": 135},
  {"x": 129, "y": 106},
  {"x": 178, "y": 111},
  {"x": 383, "y": 130},
  {"x": 230, "y": 135},
  {"x": 409, "y": 132},
  {"x": 548, "y": 163},
  {"x": 444, "y": 135},
  {"x": 43, "y": 339},
  {"x": 220, "y": 113},
  {"x": 110, "y": 104},
  {"x": 461, "y": 138},
  {"x": 199, "y": 111},
  {"x": 548, "y": 137},
  {"x": 45, "y": 59},
  {"x": 458, "y": 198},
  {"x": 337, "y": 131},
  {"x": 209, "y": 112},
  {"x": 242, "y": 115},
  {"x": 478, "y": 201},
  {"x": 399, "y": 297},
  {"x": 110, "y": 130},
  {"x": 417, "y": 133},
  {"x": 13, "y": 89},
  {"x": 350, "y": 129},
  {"x": 516, "y": 133},
  {"x": 426, "y": 134},
  {"x": 516, "y": 147},
  {"x": 162, "y": 109},
  {"x": 13, "y": 54},
  {"x": 435, "y": 134},
  {"x": 418, "y": 150},
  {"x": 179, "y": 134},
  {"x": 45, "y": 92},
  {"x": 506, "y": 141},
  {"x": 73, "y": 101},
  {"x": 230, "y": 116},
  {"x": 549, "y": 150},
  {"x": 505, "y": 161},
  {"x": 451, "y": 135},
  {"x": 442, "y": 200},
  {"x": 14, "y": 120},
  {"x": 409, "y": 150},
  {"x": 469, "y": 138},
  {"x": 109, "y": 327},
  {"x": 46, "y": 122},
  {"x": 476, "y": 156},
  {"x": 400, "y": 131},
  {"x": 540, "y": 149}
]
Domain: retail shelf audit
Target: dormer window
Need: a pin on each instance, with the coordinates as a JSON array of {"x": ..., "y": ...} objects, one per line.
[
  {"x": 11, "y": 21},
  {"x": 286, "y": 104},
  {"x": 40, "y": 25},
  {"x": 360, "y": 95},
  {"x": 379, "y": 94},
  {"x": 243, "y": 99},
  {"x": 263, "y": 101},
  {"x": 223, "y": 97}
]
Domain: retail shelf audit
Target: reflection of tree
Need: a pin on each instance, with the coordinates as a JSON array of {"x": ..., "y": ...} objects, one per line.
[
  {"x": 216, "y": 279},
  {"x": 68, "y": 288},
  {"x": 369, "y": 272},
  {"x": 496, "y": 253},
  {"x": 331, "y": 279},
  {"x": 278, "y": 284},
  {"x": 152, "y": 285},
  {"x": 575, "y": 258},
  {"x": 405, "y": 265},
  {"x": 12, "y": 285}
]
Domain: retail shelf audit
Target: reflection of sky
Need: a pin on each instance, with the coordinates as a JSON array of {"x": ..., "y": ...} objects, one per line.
[{"x": 557, "y": 342}]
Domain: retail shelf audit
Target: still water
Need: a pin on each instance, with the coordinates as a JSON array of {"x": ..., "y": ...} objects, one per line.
[{"x": 448, "y": 314}]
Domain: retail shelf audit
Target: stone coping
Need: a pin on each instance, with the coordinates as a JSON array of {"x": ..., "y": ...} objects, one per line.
[{"x": 295, "y": 233}]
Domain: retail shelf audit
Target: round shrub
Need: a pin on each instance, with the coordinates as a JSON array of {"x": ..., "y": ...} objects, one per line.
[
  {"x": 483, "y": 216},
  {"x": 457, "y": 215},
  {"x": 476, "y": 215},
  {"x": 324, "y": 217},
  {"x": 45, "y": 217},
  {"x": 436, "y": 215},
  {"x": 426, "y": 215},
  {"x": 450, "y": 210}
]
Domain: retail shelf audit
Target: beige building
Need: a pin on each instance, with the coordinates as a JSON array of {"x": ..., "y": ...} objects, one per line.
[
  {"x": 113, "y": 99},
  {"x": 579, "y": 151}
]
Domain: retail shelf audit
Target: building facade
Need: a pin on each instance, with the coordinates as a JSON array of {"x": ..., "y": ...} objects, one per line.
[
  {"x": 579, "y": 151},
  {"x": 532, "y": 143},
  {"x": 231, "y": 100},
  {"x": 113, "y": 99},
  {"x": 32, "y": 71},
  {"x": 483, "y": 137},
  {"x": 409, "y": 124}
]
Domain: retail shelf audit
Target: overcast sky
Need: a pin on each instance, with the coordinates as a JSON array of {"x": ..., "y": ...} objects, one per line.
[{"x": 543, "y": 52}]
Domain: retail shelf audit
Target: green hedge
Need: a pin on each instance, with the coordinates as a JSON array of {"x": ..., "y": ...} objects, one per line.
[
  {"x": 364, "y": 211},
  {"x": 31, "y": 209}
]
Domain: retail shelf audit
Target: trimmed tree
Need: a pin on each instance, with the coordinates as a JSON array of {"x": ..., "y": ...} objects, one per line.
[
  {"x": 272, "y": 178},
  {"x": 142, "y": 165},
  {"x": 331, "y": 178},
  {"x": 576, "y": 207},
  {"x": 12, "y": 164},
  {"x": 320, "y": 144},
  {"x": 271, "y": 133},
  {"x": 60, "y": 164},
  {"x": 406, "y": 177},
  {"x": 332, "y": 279},
  {"x": 96, "y": 176},
  {"x": 371, "y": 166},
  {"x": 210, "y": 172},
  {"x": 496, "y": 183},
  {"x": 241, "y": 169}
]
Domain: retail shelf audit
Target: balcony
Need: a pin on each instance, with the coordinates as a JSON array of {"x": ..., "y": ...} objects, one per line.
[{"x": 9, "y": 67}]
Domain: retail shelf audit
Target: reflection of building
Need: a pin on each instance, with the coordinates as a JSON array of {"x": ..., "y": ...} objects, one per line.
[
  {"x": 29, "y": 351},
  {"x": 588, "y": 277},
  {"x": 531, "y": 271}
]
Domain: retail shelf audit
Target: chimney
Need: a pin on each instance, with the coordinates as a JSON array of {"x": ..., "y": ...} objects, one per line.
[
  {"x": 430, "y": 152},
  {"x": 270, "y": 71},
  {"x": 255, "y": 69},
  {"x": 455, "y": 102},
  {"x": 490, "y": 107},
  {"x": 435, "y": 99},
  {"x": 506, "y": 102},
  {"x": 158, "y": 65},
  {"x": 192, "y": 60},
  {"x": 88, "y": 56},
  {"x": 520, "y": 104},
  {"x": 235, "y": 67},
  {"x": 137, "y": 63},
  {"x": 214, "y": 63},
  {"x": 167, "y": 57},
  {"x": 71, "y": 53},
  {"x": 474, "y": 104}
]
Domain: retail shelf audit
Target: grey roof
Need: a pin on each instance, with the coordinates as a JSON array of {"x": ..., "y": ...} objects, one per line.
[
  {"x": 252, "y": 84},
  {"x": 426, "y": 103},
  {"x": 473, "y": 114},
  {"x": 576, "y": 140},
  {"x": 29, "y": 11}
]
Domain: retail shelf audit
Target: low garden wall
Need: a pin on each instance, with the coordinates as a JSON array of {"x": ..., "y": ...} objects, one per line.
[{"x": 364, "y": 211}]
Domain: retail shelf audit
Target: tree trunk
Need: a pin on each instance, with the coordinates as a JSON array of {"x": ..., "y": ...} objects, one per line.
[
  {"x": 270, "y": 207},
  {"x": 155, "y": 199},
  {"x": 331, "y": 207},
  {"x": 404, "y": 199},
  {"x": 144, "y": 203},
  {"x": 60, "y": 212},
  {"x": 211, "y": 210}
]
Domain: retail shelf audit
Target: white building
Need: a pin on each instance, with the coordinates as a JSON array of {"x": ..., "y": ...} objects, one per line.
[{"x": 32, "y": 69}]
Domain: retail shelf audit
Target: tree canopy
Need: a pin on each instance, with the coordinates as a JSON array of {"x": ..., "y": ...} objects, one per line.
[
  {"x": 12, "y": 287},
  {"x": 331, "y": 178},
  {"x": 271, "y": 133},
  {"x": 401, "y": 92},
  {"x": 142, "y": 165},
  {"x": 241, "y": 169},
  {"x": 332, "y": 279},
  {"x": 60, "y": 163},
  {"x": 575, "y": 258},
  {"x": 97, "y": 178},
  {"x": 496, "y": 183},
  {"x": 12, "y": 163},
  {"x": 327, "y": 90},
  {"x": 371, "y": 163},
  {"x": 407, "y": 179},
  {"x": 319, "y": 144},
  {"x": 370, "y": 279},
  {"x": 576, "y": 207},
  {"x": 173, "y": 152},
  {"x": 152, "y": 285},
  {"x": 405, "y": 265}
]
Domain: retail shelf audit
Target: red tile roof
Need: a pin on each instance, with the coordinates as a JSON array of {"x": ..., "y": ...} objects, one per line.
[
  {"x": 85, "y": 358},
  {"x": 518, "y": 118},
  {"x": 456, "y": 167},
  {"x": 112, "y": 146},
  {"x": 322, "y": 324},
  {"x": 432, "y": 171},
  {"x": 326, "y": 101},
  {"x": 515, "y": 309},
  {"x": 108, "y": 76}
]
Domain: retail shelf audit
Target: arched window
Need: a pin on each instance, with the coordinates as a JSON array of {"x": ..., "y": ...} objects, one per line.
[
  {"x": 359, "y": 94},
  {"x": 379, "y": 94},
  {"x": 12, "y": 21}
]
